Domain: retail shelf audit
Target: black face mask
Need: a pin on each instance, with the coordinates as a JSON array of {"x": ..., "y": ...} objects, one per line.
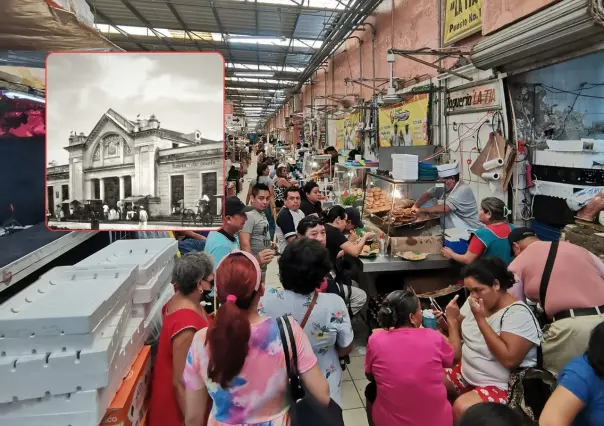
[{"x": 207, "y": 295}]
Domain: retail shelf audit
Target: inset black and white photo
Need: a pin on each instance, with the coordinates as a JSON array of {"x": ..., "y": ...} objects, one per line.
[{"x": 135, "y": 140}]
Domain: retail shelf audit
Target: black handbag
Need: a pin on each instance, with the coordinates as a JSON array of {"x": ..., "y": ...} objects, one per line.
[{"x": 304, "y": 410}]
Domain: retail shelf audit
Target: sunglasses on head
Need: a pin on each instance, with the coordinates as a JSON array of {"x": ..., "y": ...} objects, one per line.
[{"x": 314, "y": 221}]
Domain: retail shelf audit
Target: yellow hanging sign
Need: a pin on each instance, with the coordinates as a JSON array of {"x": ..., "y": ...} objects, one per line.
[
  {"x": 405, "y": 123},
  {"x": 462, "y": 18},
  {"x": 347, "y": 136}
]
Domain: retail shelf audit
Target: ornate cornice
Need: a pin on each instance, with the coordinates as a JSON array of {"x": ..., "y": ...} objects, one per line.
[
  {"x": 196, "y": 155},
  {"x": 110, "y": 167},
  {"x": 53, "y": 170}
]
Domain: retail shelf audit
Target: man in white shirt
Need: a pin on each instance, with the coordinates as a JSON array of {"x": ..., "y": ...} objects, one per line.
[
  {"x": 269, "y": 149},
  {"x": 142, "y": 218},
  {"x": 288, "y": 217},
  {"x": 455, "y": 202}
]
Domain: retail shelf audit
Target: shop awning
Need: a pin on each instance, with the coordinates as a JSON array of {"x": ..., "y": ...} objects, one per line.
[{"x": 563, "y": 31}]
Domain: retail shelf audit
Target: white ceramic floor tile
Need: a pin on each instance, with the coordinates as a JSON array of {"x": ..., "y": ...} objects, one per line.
[
  {"x": 359, "y": 348},
  {"x": 361, "y": 384},
  {"x": 357, "y": 367},
  {"x": 356, "y": 417},
  {"x": 346, "y": 376},
  {"x": 350, "y": 396}
]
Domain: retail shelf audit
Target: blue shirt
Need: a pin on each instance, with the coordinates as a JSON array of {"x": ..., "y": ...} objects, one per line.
[
  {"x": 219, "y": 244},
  {"x": 581, "y": 380}
]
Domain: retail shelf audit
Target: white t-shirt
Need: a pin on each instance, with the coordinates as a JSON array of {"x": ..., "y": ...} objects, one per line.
[
  {"x": 287, "y": 223},
  {"x": 478, "y": 365}
]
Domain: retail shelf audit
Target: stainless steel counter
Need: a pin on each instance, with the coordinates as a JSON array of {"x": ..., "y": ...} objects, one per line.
[{"x": 389, "y": 263}]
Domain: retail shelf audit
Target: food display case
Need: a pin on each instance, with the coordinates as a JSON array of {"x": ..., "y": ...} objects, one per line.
[
  {"x": 285, "y": 155},
  {"x": 313, "y": 163},
  {"x": 350, "y": 177},
  {"x": 387, "y": 204}
]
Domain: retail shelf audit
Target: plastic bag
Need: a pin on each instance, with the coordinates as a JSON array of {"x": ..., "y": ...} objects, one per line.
[{"x": 581, "y": 198}]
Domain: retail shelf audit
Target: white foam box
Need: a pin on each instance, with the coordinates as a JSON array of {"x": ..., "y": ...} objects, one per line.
[
  {"x": 143, "y": 310},
  {"x": 14, "y": 346},
  {"x": 149, "y": 255},
  {"x": 66, "y": 300},
  {"x": 153, "y": 320},
  {"x": 81, "y": 408},
  {"x": 146, "y": 293},
  {"x": 56, "y": 373}
]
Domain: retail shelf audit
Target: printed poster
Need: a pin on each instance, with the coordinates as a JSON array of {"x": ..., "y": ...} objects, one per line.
[
  {"x": 462, "y": 18},
  {"x": 347, "y": 137},
  {"x": 405, "y": 123}
]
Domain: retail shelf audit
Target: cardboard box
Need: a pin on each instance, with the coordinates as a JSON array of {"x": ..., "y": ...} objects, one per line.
[
  {"x": 129, "y": 406},
  {"x": 430, "y": 245}
]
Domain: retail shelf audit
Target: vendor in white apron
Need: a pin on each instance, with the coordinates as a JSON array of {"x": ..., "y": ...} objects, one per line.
[{"x": 455, "y": 202}]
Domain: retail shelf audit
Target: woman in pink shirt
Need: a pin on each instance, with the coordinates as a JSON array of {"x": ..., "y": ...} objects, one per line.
[{"x": 406, "y": 363}]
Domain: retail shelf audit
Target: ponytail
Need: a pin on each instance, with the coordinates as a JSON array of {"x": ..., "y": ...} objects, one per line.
[{"x": 229, "y": 334}]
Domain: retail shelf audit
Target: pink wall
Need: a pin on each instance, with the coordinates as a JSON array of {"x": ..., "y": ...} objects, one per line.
[
  {"x": 500, "y": 13},
  {"x": 403, "y": 24}
]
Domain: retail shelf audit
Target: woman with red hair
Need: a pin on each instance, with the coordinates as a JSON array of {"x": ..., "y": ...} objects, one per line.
[{"x": 239, "y": 360}]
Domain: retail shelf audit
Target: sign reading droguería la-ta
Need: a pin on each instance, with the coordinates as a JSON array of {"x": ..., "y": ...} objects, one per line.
[{"x": 121, "y": 159}]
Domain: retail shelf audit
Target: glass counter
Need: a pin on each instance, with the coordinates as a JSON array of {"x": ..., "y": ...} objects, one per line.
[
  {"x": 349, "y": 181},
  {"x": 313, "y": 163}
]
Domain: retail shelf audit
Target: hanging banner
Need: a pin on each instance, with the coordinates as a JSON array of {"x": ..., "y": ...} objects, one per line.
[
  {"x": 405, "y": 123},
  {"x": 347, "y": 137},
  {"x": 462, "y": 18}
]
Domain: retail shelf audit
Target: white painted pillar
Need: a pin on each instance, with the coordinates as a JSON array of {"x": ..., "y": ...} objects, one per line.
[
  {"x": 102, "y": 189},
  {"x": 122, "y": 189},
  {"x": 89, "y": 190}
]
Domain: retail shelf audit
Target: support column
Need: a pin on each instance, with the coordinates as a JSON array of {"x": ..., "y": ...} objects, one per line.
[
  {"x": 122, "y": 190},
  {"x": 102, "y": 189},
  {"x": 89, "y": 190}
]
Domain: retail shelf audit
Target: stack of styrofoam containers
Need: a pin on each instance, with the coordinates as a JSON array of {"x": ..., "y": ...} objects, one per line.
[
  {"x": 405, "y": 167},
  {"x": 67, "y": 341},
  {"x": 155, "y": 260}
]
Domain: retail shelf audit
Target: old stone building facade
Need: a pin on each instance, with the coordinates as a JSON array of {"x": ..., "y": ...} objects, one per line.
[{"x": 124, "y": 159}]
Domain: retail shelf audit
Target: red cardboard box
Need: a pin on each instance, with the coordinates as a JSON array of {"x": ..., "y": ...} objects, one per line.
[{"x": 129, "y": 407}]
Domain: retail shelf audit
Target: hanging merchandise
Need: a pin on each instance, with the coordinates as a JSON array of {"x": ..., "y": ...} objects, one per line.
[{"x": 405, "y": 123}]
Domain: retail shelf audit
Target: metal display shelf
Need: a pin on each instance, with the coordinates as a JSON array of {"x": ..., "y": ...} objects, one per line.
[
  {"x": 28, "y": 250},
  {"x": 390, "y": 264}
]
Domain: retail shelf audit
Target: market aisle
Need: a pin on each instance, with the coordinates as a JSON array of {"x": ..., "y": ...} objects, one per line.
[
  {"x": 272, "y": 274},
  {"x": 354, "y": 381}
]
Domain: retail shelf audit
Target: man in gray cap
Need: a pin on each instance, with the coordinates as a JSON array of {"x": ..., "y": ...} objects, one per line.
[{"x": 455, "y": 202}]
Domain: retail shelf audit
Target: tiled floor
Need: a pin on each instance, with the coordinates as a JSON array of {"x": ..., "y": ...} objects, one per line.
[{"x": 354, "y": 381}]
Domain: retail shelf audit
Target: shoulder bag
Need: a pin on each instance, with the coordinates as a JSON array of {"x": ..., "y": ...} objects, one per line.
[{"x": 304, "y": 409}]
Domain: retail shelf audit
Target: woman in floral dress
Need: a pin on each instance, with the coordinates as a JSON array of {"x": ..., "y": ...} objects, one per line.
[
  {"x": 239, "y": 361},
  {"x": 303, "y": 267}
]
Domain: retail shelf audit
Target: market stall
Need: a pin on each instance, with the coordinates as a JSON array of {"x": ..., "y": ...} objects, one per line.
[{"x": 411, "y": 241}]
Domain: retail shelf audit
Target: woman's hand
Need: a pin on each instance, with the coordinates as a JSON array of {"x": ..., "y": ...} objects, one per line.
[
  {"x": 477, "y": 306},
  {"x": 447, "y": 252},
  {"x": 452, "y": 310}
]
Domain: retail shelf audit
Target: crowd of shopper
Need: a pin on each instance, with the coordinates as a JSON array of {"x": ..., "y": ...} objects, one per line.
[{"x": 231, "y": 368}]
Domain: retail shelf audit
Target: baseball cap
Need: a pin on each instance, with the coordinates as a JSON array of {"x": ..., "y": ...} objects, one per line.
[
  {"x": 519, "y": 234},
  {"x": 354, "y": 217},
  {"x": 234, "y": 206}
]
